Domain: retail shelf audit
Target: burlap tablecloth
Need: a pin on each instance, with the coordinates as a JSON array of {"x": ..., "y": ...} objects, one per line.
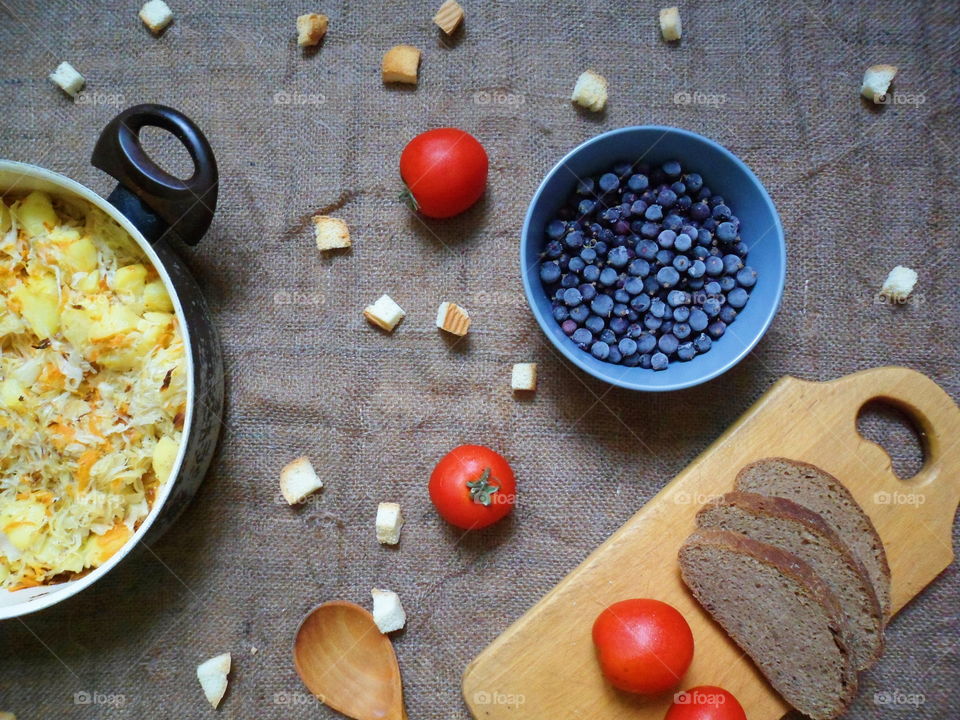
[{"x": 859, "y": 191}]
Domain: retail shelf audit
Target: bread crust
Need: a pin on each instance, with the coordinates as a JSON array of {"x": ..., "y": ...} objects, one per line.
[{"x": 875, "y": 541}]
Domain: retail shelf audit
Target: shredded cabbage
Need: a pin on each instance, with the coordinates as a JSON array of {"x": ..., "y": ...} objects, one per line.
[{"x": 92, "y": 389}]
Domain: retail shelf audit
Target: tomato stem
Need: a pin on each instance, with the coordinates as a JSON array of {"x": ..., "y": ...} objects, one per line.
[
  {"x": 481, "y": 489},
  {"x": 407, "y": 198}
]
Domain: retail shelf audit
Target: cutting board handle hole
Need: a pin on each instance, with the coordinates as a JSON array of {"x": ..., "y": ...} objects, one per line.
[{"x": 897, "y": 433}]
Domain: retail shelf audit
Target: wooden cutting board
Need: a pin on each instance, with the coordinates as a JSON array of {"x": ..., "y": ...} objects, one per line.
[{"x": 543, "y": 667}]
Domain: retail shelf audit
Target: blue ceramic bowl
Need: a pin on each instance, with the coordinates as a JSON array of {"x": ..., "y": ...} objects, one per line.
[{"x": 725, "y": 174}]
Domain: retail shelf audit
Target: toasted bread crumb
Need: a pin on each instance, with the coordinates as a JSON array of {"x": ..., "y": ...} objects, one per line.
[
  {"x": 670, "y": 26},
  {"x": 331, "y": 233},
  {"x": 590, "y": 91},
  {"x": 298, "y": 479},
  {"x": 453, "y": 318},
  {"x": 389, "y": 523},
  {"x": 449, "y": 16},
  {"x": 67, "y": 79},
  {"x": 524, "y": 377},
  {"x": 388, "y": 613},
  {"x": 384, "y": 313},
  {"x": 876, "y": 82},
  {"x": 212, "y": 675},
  {"x": 899, "y": 283},
  {"x": 156, "y": 15},
  {"x": 311, "y": 28},
  {"x": 401, "y": 64}
]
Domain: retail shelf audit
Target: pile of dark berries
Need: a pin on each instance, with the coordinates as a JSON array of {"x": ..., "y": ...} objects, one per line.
[{"x": 645, "y": 265}]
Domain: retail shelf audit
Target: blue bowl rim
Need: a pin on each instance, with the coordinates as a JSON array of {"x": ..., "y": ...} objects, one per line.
[{"x": 547, "y": 324}]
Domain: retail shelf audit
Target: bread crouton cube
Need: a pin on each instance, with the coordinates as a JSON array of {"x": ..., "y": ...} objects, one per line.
[
  {"x": 156, "y": 15},
  {"x": 876, "y": 82},
  {"x": 297, "y": 480},
  {"x": 332, "y": 233},
  {"x": 389, "y": 522},
  {"x": 899, "y": 283},
  {"x": 400, "y": 65},
  {"x": 311, "y": 28},
  {"x": 670, "y": 26},
  {"x": 590, "y": 91},
  {"x": 384, "y": 313},
  {"x": 524, "y": 377},
  {"x": 212, "y": 675},
  {"x": 453, "y": 318},
  {"x": 67, "y": 79},
  {"x": 388, "y": 613},
  {"x": 449, "y": 16}
]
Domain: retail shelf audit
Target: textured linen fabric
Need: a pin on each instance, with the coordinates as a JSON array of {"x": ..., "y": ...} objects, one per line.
[{"x": 859, "y": 190}]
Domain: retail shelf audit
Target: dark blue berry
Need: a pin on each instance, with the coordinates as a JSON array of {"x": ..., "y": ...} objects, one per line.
[
  {"x": 579, "y": 314},
  {"x": 614, "y": 357},
  {"x": 633, "y": 285},
  {"x": 666, "y": 238},
  {"x": 621, "y": 310},
  {"x": 737, "y": 298},
  {"x": 693, "y": 182},
  {"x": 747, "y": 277},
  {"x": 608, "y": 182},
  {"x": 587, "y": 292},
  {"x": 646, "y": 343},
  {"x": 667, "y": 277},
  {"x": 686, "y": 351},
  {"x": 666, "y": 198},
  {"x": 703, "y": 343},
  {"x": 716, "y": 329},
  {"x": 683, "y": 242},
  {"x": 659, "y": 361},
  {"x": 618, "y": 257},
  {"x": 574, "y": 240},
  {"x": 681, "y": 313},
  {"x": 569, "y": 280},
  {"x": 678, "y": 297},
  {"x": 619, "y": 325},
  {"x": 699, "y": 211},
  {"x": 665, "y": 257},
  {"x": 668, "y": 344},
  {"x": 651, "y": 322},
  {"x": 627, "y": 346},
  {"x": 582, "y": 337},
  {"x": 549, "y": 272},
  {"x": 726, "y": 231},
  {"x": 608, "y": 336},
  {"x": 560, "y": 313},
  {"x": 711, "y": 306},
  {"x": 608, "y": 276},
  {"x": 594, "y": 324},
  {"x": 681, "y": 263},
  {"x": 600, "y": 350},
  {"x": 586, "y": 206},
  {"x": 638, "y": 182},
  {"x": 714, "y": 265},
  {"x": 727, "y": 283},
  {"x": 720, "y": 211},
  {"x": 696, "y": 269},
  {"x": 698, "y": 320},
  {"x": 732, "y": 264},
  {"x": 641, "y": 303},
  {"x": 671, "y": 168},
  {"x": 556, "y": 229},
  {"x": 576, "y": 264},
  {"x": 727, "y": 314},
  {"x": 639, "y": 267},
  {"x": 602, "y": 305},
  {"x": 591, "y": 273},
  {"x": 654, "y": 212}
]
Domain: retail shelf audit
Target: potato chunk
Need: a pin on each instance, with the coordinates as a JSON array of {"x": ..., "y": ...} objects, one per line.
[{"x": 36, "y": 214}]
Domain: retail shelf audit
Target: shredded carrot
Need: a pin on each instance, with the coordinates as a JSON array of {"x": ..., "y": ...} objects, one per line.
[
  {"x": 84, "y": 463},
  {"x": 24, "y": 584},
  {"x": 112, "y": 540}
]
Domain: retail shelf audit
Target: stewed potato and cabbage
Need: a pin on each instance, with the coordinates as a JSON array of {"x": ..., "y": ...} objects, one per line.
[{"x": 93, "y": 388}]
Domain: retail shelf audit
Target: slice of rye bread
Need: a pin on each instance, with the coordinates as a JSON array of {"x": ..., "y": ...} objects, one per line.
[
  {"x": 794, "y": 528},
  {"x": 821, "y": 492},
  {"x": 783, "y": 616}
]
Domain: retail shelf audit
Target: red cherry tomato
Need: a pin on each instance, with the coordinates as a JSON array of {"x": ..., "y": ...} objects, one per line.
[
  {"x": 445, "y": 171},
  {"x": 472, "y": 487},
  {"x": 644, "y": 646},
  {"x": 705, "y": 702}
]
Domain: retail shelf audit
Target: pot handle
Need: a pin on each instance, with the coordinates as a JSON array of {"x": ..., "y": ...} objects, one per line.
[{"x": 153, "y": 200}]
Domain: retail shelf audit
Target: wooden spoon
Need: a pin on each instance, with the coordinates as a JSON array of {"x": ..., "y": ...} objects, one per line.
[{"x": 348, "y": 664}]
